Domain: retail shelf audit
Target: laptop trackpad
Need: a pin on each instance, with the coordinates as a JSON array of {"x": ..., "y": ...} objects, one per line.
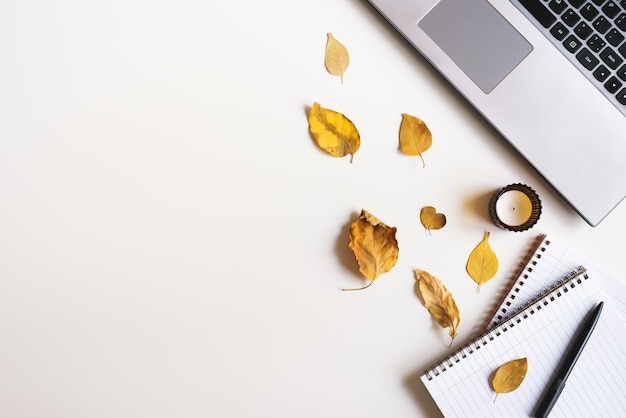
[{"x": 477, "y": 38}]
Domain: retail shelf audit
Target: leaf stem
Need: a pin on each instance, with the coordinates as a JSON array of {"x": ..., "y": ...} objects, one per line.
[{"x": 358, "y": 288}]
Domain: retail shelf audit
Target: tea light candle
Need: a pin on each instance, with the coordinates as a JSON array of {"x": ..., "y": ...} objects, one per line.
[{"x": 515, "y": 207}]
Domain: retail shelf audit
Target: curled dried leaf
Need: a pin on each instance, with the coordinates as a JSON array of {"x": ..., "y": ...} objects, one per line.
[
  {"x": 333, "y": 132},
  {"x": 482, "y": 263},
  {"x": 415, "y": 137},
  {"x": 509, "y": 376},
  {"x": 439, "y": 302},
  {"x": 336, "y": 57},
  {"x": 374, "y": 245},
  {"x": 431, "y": 219}
]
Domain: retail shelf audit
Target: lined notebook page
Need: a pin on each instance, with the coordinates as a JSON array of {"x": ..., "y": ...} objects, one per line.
[
  {"x": 547, "y": 263},
  {"x": 461, "y": 384}
]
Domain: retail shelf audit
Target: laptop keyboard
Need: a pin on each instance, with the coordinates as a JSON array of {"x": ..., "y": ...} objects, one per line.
[{"x": 592, "y": 34}]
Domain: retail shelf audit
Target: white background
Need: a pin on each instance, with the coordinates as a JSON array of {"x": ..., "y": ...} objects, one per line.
[{"x": 172, "y": 241}]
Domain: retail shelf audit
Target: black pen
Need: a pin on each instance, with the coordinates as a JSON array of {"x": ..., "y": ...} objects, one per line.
[{"x": 556, "y": 387}]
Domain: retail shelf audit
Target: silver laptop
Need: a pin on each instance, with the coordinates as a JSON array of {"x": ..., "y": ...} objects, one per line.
[{"x": 549, "y": 75}]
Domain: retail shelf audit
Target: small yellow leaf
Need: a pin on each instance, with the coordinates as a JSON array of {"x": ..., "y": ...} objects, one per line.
[
  {"x": 431, "y": 219},
  {"x": 439, "y": 302},
  {"x": 482, "y": 263},
  {"x": 333, "y": 132},
  {"x": 374, "y": 245},
  {"x": 415, "y": 137},
  {"x": 336, "y": 57},
  {"x": 509, "y": 376}
]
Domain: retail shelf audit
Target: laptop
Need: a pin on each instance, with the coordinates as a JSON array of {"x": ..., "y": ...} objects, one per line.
[{"x": 548, "y": 75}]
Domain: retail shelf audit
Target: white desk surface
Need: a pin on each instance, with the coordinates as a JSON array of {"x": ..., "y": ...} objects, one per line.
[{"x": 172, "y": 242}]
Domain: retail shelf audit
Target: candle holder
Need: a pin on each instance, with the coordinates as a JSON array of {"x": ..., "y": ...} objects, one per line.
[{"x": 516, "y": 207}]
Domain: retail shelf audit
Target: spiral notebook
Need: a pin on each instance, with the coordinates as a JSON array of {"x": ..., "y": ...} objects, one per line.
[
  {"x": 547, "y": 263},
  {"x": 461, "y": 383}
]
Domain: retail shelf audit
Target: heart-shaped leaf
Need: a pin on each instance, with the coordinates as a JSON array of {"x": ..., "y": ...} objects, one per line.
[{"x": 431, "y": 219}]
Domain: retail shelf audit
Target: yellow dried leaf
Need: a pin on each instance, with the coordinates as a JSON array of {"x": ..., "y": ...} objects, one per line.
[
  {"x": 374, "y": 245},
  {"x": 431, "y": 219},
  {"x": 439, "y": 302},
  {"x": 333, "y": 132},
  {"x": 336, "y": 57},
  {"x": 415, "y": 137},
  {"x": 509, "y": 376},
  {"x": 482, "y": 263}
]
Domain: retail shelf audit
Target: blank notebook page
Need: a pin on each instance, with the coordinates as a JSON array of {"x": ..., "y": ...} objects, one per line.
[{"x": 461, "y": 384}]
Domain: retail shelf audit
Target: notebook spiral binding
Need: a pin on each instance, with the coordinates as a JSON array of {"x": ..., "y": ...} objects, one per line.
[
  {"x": 555, "y": 291},
  {"x": 525, "y": 266}
]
